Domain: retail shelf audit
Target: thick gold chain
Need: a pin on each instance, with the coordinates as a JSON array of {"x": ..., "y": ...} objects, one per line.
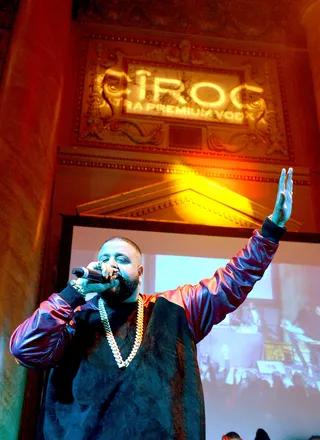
[{"x": 111, "y": 340}]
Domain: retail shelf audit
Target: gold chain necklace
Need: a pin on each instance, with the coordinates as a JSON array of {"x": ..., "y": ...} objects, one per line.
[{"x": 111, "y": 340}]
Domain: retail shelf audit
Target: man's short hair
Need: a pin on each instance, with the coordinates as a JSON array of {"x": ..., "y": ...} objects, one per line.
[
  {"x": 127, "y": 240},
  {"x": 231, "y": 435}
]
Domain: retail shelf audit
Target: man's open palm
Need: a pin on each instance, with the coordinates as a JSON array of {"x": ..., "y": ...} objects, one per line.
[{"x": 283, "y": 206}]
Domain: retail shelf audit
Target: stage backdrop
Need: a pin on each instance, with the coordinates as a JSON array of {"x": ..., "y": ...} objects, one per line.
[{"x": 257, "y": 366}]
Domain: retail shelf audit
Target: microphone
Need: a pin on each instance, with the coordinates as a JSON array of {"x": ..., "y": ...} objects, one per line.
[{"x": 89, "y": 274}]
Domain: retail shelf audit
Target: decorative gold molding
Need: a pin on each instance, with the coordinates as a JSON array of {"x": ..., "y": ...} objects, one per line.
[{"x": 139, "y": 164}]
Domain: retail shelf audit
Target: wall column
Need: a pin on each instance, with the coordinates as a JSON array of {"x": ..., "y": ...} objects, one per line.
[
  {"x": 310, "y": 17},
  {"x": 30, "y": 101}
]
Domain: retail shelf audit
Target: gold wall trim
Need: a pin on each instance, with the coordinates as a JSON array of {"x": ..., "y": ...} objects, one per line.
[{"x": 173, "y": 168}]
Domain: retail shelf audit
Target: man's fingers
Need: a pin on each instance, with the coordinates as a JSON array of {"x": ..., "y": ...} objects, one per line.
[
  {"x": 105, "y": 269},
  {"x": 94, "y": 265},
  {"x": 283, "y": 205},
  {"x": 282, "y": 180},
  {"x": 285, "y": 181},
  {"x": 108, "y": 271},
  {"x": 98, "y": 265},
  {"x": 289, "y": 180}
]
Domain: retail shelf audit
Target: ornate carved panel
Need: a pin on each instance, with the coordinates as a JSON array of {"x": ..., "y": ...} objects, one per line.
[{"x": 176, "y": 98}]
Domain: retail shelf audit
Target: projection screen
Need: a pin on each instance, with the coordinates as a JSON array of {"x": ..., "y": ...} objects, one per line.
[{"x": 260, "y": 367}]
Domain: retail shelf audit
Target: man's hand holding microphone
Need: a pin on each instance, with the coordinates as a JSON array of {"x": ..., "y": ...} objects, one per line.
[{"x": 95, "y": 278}]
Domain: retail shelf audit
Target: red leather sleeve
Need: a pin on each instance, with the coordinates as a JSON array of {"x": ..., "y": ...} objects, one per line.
[
  {"x": 40, "y": 340},
  {"x": 208, "y": 302}
]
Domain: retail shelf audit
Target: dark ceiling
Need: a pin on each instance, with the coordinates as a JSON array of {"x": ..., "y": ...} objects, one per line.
[{"x": 272, "y": 21}]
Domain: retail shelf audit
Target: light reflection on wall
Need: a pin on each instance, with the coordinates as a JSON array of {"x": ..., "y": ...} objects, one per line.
[{"x": 221, "y": 206}]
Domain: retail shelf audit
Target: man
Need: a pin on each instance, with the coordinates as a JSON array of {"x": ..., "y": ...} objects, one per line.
[
  {"x": 231, "y": 436},
  {"x": 307, "y": 323},
  {"x": 123, "y": 365},
  {"x": 255, "y": 317}
]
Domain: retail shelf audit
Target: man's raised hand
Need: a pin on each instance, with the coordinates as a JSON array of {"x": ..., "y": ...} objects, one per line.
[{"x": 283, "y": 206}]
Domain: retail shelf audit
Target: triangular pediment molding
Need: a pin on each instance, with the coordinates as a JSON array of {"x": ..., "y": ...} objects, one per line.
[{"x": 192, "y": 201}]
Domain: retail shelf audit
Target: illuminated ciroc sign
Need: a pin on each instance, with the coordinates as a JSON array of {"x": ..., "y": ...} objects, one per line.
[{"x": 175, "y": 93}]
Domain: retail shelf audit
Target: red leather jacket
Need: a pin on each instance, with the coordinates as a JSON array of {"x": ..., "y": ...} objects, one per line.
[{"x": 41, "y": 340}]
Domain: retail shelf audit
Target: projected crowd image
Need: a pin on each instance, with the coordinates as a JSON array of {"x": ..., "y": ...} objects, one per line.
[
  {"x": 263, "y": 361},
  {"x": 261, "y": 364}
]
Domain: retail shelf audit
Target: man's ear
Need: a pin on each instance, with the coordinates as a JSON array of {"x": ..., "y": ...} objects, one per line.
[{"x": 140, "y": 270}]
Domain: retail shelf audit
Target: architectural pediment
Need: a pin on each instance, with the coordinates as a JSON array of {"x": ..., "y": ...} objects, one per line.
[{"x": 191, "y": 201}]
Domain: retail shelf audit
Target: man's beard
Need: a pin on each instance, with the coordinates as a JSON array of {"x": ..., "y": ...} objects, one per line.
[{"x": 123, "y": 289}]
